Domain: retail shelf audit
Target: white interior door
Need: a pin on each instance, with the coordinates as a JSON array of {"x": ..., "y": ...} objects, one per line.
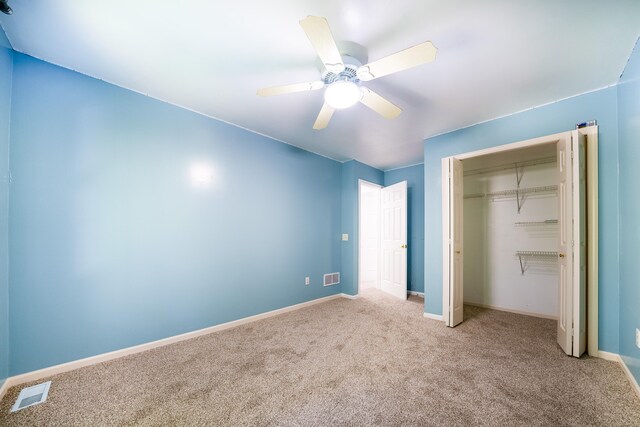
[
  {"x": 456, "y": 242},
  {"x": 565, "y": 246},
  {"x": 394, "y": 239},
  {"x": 579, "y": 244}
]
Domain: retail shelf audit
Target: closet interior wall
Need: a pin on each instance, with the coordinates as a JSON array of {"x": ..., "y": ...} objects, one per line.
[{"x": 495, "y": 233}]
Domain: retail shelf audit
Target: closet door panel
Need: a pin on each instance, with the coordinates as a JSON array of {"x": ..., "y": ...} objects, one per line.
[{"x": 565, "y": 236}]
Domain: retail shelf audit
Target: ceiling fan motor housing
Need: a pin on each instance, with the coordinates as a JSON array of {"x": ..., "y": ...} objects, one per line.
[{"x": 349, "y": 73}]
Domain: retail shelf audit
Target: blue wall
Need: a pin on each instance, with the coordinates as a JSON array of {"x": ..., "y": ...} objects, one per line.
[
  {"x": 414, "y": 175},
  {"x": 554, "y": 118},
  {"x": 629, "y": 135},
  {"x": 111, "y": 244},
  {"x": 6, "y": 70},
  {"x": 353, "y": 171}
]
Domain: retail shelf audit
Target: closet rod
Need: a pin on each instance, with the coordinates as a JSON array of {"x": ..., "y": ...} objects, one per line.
[
  {"x": 514, "y": 192},
  {"x": 545, "y": 222}
]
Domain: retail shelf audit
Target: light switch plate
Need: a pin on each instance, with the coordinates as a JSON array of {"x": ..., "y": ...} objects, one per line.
[
  {"x": 345, "y": 237},
  {"x": 307, "y": 280},
  {"x": 637, "y": 337}
]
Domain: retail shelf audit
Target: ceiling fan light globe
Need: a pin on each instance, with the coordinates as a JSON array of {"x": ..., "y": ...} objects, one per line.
[{"x": 342, "y": 94}]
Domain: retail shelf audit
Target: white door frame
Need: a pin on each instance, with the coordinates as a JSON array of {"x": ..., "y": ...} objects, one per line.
[
  {"x": 363, "y": 183},
  {"x": 591, "y": 134}
]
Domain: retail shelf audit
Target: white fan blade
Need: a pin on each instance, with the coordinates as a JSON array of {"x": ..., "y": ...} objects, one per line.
[
  {"x": 385, "y": 108},
  {"x": 323, "y": 118},
  {"x": 403, "y": 60},
  {"x": 319, "y": 33},
  {"x": 298, "y": 87}
]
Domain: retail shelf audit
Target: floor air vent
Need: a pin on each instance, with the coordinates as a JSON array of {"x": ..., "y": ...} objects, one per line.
[
  {"x": 31, "y": 396},
  {"x": 331, "y": 279}
]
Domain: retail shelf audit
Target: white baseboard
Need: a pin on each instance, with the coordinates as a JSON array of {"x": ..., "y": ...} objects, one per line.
[
  {"x": 356, "y": 296},
  {"x": 76, "y": 364},
  {"x": 614, "y": 357},
  {"x": 4, "y": 388},
  {"x": 509, "y": 310},
  {"x": 433, "y": 316},
  {"x": 420, "y": 294}
]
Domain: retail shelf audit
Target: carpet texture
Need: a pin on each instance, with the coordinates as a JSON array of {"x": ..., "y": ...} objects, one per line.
[{"x": 370, "y": 361}]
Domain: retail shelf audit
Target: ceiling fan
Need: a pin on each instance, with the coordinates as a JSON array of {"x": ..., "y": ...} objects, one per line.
[{"x": 343, "y": 74}]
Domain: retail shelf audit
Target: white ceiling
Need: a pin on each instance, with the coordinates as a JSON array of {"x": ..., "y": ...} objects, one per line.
[{"x": 495, "y": 57}]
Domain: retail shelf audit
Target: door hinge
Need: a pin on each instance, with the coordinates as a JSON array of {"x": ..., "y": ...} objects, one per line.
[{"x": 572, "y": 329}]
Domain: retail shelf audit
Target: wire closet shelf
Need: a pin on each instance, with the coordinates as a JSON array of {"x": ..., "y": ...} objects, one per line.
[{"x": 537, "y": 255}]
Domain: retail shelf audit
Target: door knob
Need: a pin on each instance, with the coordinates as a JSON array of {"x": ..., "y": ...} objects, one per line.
[
  {"x": 404, "y": 246},
  {"x": 561, "y": 255},
  {"x": 457, "y": 252}
]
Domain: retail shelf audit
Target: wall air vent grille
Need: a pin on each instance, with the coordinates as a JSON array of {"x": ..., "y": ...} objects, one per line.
[{"x": 331, "y": 279}]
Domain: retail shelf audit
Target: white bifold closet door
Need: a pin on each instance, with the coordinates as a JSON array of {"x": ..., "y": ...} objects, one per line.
[
  {"x": 394, "y": 240},
  {"x": 453, "y": 296},
  {"x": 572, "y": 292},
  {"x": 572, "y": 245}
]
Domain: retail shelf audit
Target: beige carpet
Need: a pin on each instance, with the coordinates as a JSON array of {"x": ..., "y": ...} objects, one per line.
[{"x": 371, "y": 361}]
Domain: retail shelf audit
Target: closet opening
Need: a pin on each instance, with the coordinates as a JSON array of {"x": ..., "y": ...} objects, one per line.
[
  {"x": 520, "y": 233},
  {"x": 510, "y": 229}
]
